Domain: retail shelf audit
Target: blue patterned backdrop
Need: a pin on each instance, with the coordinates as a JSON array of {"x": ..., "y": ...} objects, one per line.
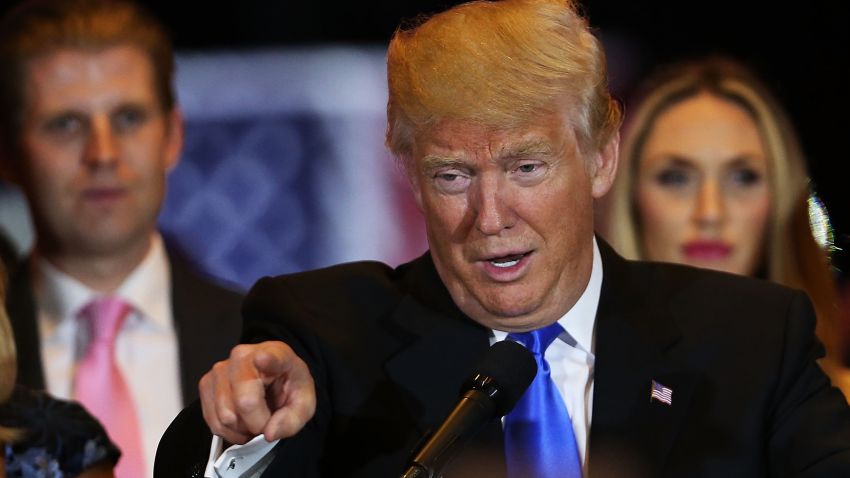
[{"x": 284, "y": 167}]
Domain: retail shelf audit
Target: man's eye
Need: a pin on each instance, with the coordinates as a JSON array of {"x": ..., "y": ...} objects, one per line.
[
  {"x": 128, "y": 118},
  {"x": 447, "y": 177},
  {"x": 529, "y": 173},
  {"x": 64, "y": 125},
  {"x": 451, "y": 182}
]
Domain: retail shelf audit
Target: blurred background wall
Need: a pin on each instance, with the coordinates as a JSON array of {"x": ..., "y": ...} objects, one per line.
[{"x": 284, "y": 167}]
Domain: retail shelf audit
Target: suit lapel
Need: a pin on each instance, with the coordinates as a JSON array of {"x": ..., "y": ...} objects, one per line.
[
  {"x": 205, "y": 329},
  {"x": 21, "y": 307},
  {"x": 441, "y": 350},
  {"x": 434, "y": 364},
  {"x": 631, "y": 434},
  {"x": 188, "y": 322}
]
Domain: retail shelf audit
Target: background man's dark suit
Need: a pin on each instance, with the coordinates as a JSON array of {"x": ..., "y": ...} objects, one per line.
[
  {"x": 206, "y": 318},
  {"x": 388, "y": 351}
]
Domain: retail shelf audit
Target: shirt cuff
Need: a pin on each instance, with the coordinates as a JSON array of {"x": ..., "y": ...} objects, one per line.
[{"x": 238, "y": 461}]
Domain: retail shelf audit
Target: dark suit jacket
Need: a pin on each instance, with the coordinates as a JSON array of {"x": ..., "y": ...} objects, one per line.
[
  {"x": 389, "y": 350},
  {"x": 206, "y": 318}
]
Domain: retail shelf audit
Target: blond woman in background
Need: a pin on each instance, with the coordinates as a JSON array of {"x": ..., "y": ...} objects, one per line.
[{"x": 712, "y": 175}]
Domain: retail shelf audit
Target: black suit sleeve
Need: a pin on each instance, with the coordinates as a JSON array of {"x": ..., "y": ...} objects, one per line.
[
  {"x": 809, "y": 424},
  {"x": 268, "y": 311},
  {"x": 184, "y": 448}
]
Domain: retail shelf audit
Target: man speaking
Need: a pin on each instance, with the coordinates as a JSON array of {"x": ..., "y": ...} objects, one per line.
[{"x": 501, "y": 116}]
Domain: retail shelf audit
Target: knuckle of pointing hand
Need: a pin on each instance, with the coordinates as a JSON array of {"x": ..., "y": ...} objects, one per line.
[
  {"x": 207, "y": 379},
  {"x": 228, "y": 420},
  {"x": 240, "y": 351},
  {"x": 217, "y": 429},
  {"x": 248, "y": 403},
  {"x": 218, "y": 368}
]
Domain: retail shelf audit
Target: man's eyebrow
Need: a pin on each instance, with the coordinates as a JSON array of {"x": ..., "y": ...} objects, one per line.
[
  {"x": 530, "y": 147},
  {"x": 526, "y": 148},
  {"x": 436, "y": 161}
]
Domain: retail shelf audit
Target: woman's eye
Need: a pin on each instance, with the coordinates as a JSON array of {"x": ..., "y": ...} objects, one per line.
[
  {"x": 746, "y": 177},
  {"x": 673, "y": 177}
]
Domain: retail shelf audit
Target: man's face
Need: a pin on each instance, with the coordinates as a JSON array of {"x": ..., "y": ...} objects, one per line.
[
  {"x": 509, "y": 217},
  {"x": 96, "y": 146}
]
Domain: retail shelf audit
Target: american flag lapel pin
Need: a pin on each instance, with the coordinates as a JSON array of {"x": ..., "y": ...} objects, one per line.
[{"x": 661, "y": 393}]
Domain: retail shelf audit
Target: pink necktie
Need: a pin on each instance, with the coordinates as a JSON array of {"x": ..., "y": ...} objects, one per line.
[{"x": 100, "y": 387}]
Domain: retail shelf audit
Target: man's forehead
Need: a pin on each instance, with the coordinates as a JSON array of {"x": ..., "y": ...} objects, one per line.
[
  {"x": 69, "y": 62},
  {"x": 64, "y": 73},
  {"x": 453, "y": 138}
]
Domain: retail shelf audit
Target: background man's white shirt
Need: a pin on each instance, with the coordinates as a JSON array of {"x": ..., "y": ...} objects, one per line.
[{"x": 146, "y": 347}]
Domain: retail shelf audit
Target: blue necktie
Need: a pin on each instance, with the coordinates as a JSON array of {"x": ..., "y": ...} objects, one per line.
[{"x": 539, "y": 438}]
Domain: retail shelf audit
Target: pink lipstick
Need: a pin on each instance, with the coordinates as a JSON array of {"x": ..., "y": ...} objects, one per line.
[{"x": 707, "y": 250}]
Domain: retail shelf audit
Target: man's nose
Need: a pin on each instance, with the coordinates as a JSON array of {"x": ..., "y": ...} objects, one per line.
[
  {"x": 492, "y": 206},
  {"x": 102, "y": 147}
]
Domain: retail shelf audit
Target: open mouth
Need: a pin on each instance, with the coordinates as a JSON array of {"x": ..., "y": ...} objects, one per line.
[{"x": 507, "y": 261}]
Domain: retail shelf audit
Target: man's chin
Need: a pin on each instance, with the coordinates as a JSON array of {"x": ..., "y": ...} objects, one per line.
[{"x": 511, "y": 317}]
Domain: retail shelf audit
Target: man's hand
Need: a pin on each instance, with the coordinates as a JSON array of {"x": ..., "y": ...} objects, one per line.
[{"x": 262, "y": 388}]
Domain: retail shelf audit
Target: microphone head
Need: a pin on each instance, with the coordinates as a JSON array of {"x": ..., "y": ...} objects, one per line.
[{"x": 504, "y": 372}]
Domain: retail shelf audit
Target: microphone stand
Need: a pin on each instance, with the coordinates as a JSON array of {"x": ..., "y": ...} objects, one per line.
[
  {"x": 417, "y": 471},
  {"x": 475, "y": 407}
]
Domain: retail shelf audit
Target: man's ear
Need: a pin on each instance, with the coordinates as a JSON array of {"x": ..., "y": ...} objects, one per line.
[
  {"x": 604, "y": 168},
  {"x": 174, "y": 139}
]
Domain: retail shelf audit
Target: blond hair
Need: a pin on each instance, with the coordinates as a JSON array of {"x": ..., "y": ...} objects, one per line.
[
  {"x": 500, "y": 64},
  {"x": 8, "y": 356},
  {"x": 792, "y": 256}
]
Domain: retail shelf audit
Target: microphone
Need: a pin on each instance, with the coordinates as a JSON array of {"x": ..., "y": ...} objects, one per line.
[{"x": 492, "y": 390}]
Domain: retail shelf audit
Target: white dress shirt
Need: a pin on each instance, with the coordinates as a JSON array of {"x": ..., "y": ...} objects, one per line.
[
  {"x": 146, "y": 347},
  {"x": 571, "y": 361}
]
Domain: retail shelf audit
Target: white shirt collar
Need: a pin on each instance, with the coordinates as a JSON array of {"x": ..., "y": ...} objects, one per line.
[
  {"x": 147, "y": 288},
  {"x": 579, "y": 322}
]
